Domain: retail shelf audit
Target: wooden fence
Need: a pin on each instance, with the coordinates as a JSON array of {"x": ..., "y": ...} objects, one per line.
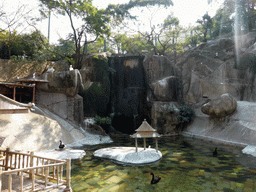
[{"x": 49, "y": 169}]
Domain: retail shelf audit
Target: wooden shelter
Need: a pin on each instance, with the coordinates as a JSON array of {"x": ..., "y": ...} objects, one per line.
[
  {"x": 145, "y": 131},
  {"x": 22, "y": 90},
  {"x": 31, "y": 79}
]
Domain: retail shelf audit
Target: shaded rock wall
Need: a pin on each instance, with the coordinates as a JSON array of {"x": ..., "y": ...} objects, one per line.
[
  {"x": 164, "y": 117},
  {"x": 128, "y": 92}
]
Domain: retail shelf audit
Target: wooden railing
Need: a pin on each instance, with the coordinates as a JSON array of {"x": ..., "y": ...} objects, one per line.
[{"x": 49, "y": 169}]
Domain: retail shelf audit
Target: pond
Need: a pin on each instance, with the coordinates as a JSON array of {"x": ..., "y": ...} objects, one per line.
[{"x": 187, "y": 165}]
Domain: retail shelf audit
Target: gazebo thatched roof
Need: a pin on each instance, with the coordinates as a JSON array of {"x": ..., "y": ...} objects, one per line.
[{"x": 145, "y": 131}]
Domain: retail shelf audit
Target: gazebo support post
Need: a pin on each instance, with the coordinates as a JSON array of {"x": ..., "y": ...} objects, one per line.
[
  {"x": 14, "y": 93},
  {"x": 34, "y": 93},
  {"x": 136, "y": 144},
  {"x": 156, "y": 144},
  {"x": 144, "y": 143}
]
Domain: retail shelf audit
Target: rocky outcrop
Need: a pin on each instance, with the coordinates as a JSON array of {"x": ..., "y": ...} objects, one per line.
[
  {"x": 166, "y": 89},
  {"x": 66, "y": 82},
  {"x": 93, "y": 128},
  {"x": 164, "y": 80},
  {"x": 221, "y": 107},
  {"x": 217, "y": 67},
  {"x": 158, "y": 67},
  {"x": 164, "y": 117}
]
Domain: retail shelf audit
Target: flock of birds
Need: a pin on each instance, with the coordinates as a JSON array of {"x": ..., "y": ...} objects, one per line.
[{"x": 156, "y": 179}]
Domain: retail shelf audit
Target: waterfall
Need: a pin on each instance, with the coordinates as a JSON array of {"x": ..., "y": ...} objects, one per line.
[{"x": 77, "y": 73}]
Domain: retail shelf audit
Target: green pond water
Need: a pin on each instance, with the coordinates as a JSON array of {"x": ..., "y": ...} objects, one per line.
[{"x": 187, "y": 165}]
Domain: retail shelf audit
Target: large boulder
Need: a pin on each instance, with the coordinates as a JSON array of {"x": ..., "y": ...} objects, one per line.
[
  {"x": 164, "y": 117},
  {"x": 220, "y": 107},
  {"x": 166, "y": 89},
  {"x": 66, "y": 82}
]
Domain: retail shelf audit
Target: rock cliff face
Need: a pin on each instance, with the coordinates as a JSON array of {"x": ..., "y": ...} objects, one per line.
[
  {"x": 164, "y": 92},
  {"x": 218, "y": 67}
]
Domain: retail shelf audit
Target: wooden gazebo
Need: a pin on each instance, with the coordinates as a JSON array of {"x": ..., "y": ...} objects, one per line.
[{"x": 145, "y": 131}]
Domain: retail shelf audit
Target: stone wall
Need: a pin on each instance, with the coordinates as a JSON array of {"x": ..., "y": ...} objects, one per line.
[
  {"x": 70, "y": 108},
  {"x": 10, "y": 70}
]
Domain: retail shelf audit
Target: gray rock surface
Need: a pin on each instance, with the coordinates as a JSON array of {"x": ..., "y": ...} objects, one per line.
[
  {"x": 220, "y": 107},
  {"x": 164, "y": 116},
  {"x": 238, "y": 128},
  {"x": 166, "y": 89}
]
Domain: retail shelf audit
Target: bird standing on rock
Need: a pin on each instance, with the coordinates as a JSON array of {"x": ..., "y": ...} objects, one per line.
[
  {"x": 155, "y": 180},
  {"x": 61, "y": 146}
]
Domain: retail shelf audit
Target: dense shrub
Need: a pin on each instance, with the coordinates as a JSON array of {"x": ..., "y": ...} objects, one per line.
[
  {"x": 101, "y": 121},
  {"x": 186, "y": 115}
]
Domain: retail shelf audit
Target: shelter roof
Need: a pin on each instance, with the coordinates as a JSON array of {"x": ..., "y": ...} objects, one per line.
[
  {"x": 17, "y": 84},
  {"x": 34, "y": 77},
  {"x": 145, "y": 127},
  {"x": 144, "y": 131}
]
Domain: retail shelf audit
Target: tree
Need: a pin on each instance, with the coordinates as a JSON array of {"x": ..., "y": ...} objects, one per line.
[
  {"x": 13, "y": 24},
  {"x": 165, "y": 39},
  {"x": 244, "y": 14},
  {"x": 193, "y": 38},
  {"x": 222, "y": 22},
  {"x": 206, "y": 24},
  {"x": 94, "y": 22},
  {"x": 28, "y": 44},
  {"x": 65, "y": 49}
]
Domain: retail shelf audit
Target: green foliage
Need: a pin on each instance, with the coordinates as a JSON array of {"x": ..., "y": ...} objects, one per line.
[
  {"x": 186, "y": 115},
  {"x": 133, "y": 44},
  {"x": 95, "y": 47},
  {"x": 64, "y": 50},
  {"x": 194, "y": 38},
  {"x": 166, "y": 40},
  {"x": 222, "y": 23},
  {"x": 95, "y": 22},
  {"x": 121, "y": 11},
  {"x": 101, "y": 121},
  {"x": 206, "y": 24},
  {"x": 31, "y": 45}
]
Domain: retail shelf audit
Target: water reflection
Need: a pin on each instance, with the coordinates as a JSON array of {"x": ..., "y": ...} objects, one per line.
[{"x": 187, "y": 165}]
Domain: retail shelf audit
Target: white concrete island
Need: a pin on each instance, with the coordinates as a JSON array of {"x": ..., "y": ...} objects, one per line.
[{"x": 128, "y": 155}]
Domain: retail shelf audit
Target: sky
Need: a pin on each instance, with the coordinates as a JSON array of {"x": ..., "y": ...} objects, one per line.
[{"x": 187, "y": 11}]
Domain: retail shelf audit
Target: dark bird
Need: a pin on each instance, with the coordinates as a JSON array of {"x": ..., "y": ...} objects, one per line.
[
  {"x": 215, "y": 153},
  {"x": 154, "y": 179},
  {"x": 61, "y": 146}
]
